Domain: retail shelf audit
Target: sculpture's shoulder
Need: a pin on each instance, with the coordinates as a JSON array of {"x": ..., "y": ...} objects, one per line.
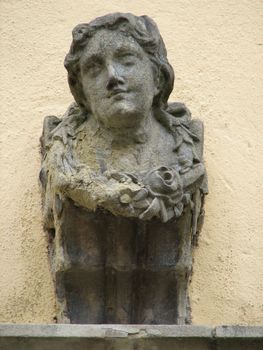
[
  {"x": 56, "y": 128},
  {"x": 188, "y": 134},
  {"x": 49, "y": 125},
  {"x": 56, "y": 149},
  {"x": 194, "y": 128}
]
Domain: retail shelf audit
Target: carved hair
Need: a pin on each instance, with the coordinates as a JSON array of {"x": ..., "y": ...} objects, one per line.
[{"x": 143, "y": 30}]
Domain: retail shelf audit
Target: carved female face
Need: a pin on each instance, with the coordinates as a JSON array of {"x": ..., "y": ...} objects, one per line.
[{"x": 118, "y": 79}]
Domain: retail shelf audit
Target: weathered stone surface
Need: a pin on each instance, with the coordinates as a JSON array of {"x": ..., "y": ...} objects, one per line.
[
  {"x": 239, "y": 332},
  {"x": 123, "y": 180},
  {"x": 130, "y": 337}
]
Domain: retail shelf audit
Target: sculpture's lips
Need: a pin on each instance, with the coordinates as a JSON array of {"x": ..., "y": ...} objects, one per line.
[{"x": 115, "y": 92}]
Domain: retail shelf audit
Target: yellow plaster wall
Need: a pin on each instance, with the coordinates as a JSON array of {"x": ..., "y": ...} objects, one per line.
[{"x": 216, "y": 49}]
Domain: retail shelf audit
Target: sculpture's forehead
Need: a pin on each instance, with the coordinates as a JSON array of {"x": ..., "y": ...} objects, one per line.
[{"x": 107, "y": 41}]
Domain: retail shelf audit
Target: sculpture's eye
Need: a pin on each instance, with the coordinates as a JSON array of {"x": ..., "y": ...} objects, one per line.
[
  {"x": 127, "y": 59},
  {"x": 93, "y": 67}
]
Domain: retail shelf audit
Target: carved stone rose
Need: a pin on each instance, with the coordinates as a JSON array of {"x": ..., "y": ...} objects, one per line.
[{"x": 166, "y": 190}]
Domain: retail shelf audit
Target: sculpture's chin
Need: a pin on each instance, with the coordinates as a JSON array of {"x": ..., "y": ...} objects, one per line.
[{"x": 122, "y": 114}]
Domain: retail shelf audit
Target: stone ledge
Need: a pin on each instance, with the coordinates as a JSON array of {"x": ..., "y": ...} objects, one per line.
[
  {"x": 128, "y": 337},
  {"x": 237, "y": 332},
  {"x": 103, "y": 331}
]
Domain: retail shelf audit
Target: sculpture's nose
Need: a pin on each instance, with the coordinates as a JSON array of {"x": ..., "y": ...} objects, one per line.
[{"x": 114, "y": 78}]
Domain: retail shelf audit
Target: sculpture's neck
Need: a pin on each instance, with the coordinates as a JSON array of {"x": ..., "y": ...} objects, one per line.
[{"x": 138, "y": 134}]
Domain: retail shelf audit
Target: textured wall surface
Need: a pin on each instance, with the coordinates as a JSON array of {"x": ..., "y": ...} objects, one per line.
[{"x": 216, "y": 49}]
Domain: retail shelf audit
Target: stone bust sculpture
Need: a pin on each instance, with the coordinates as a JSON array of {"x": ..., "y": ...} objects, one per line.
[{"x": 123, "y": 180}]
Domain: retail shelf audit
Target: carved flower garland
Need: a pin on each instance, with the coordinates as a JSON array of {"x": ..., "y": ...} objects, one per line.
[
  {"x": 161, "y": 195},
  {"x": 165, "y": 189}
]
